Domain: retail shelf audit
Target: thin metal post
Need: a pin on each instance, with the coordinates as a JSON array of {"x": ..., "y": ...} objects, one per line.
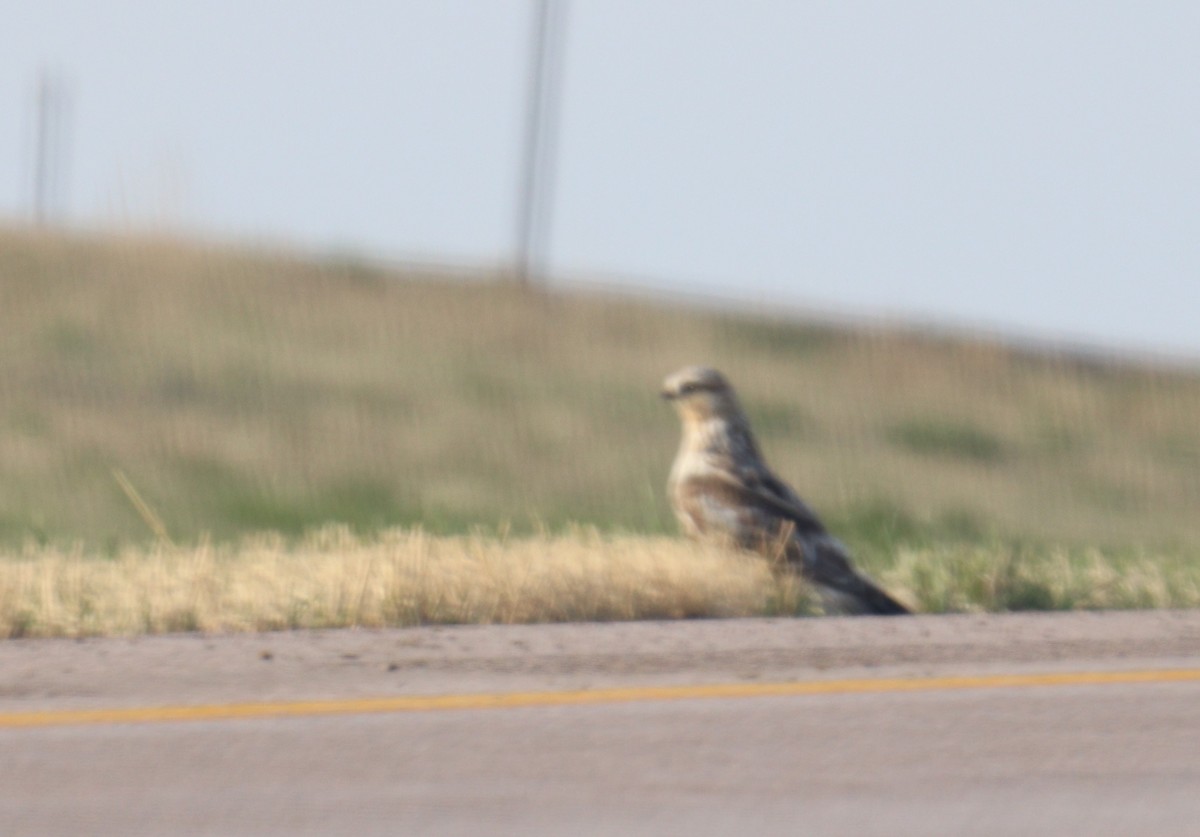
[
  {"x": 41, "y": 162},
  {"x": 540, "y": 115},
  {"x": 50, "y": 126}
]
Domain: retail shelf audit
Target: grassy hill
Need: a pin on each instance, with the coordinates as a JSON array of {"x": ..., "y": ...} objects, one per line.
[{"x": 241, "y": 391}]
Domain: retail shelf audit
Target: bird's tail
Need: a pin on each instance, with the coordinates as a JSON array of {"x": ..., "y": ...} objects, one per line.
[
  {"x": 862, "y": 598},
  {"x": 825, "y": 562},
  {"x": 877, "y": 601}
]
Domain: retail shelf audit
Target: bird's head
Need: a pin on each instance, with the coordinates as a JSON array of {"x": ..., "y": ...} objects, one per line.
[{"x": 700, "y": 393}]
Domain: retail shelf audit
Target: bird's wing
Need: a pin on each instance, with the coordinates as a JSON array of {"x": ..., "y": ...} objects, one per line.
[
  {"x": 764, "y": 489},
  {"x": 826, "y": 561},
  {"x": 779, "y": 492},
  {"x": 754, "y": 511},
  {"x": 761, "y": 512}
]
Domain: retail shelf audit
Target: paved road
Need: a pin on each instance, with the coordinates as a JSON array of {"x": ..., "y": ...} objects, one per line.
[{"x": 913, "y": 726}]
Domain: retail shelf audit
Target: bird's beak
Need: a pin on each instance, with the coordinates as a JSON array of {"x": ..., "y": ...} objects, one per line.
[{"x": 667, "y": 395}]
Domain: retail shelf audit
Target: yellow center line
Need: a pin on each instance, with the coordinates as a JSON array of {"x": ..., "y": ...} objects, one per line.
[{"x": 627, "y": 694}]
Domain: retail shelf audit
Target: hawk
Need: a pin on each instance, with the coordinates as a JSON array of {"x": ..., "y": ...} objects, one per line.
[{"x": 720, "y": 488}]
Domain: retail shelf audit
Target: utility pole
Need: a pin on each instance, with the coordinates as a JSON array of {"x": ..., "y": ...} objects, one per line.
[
  {"x": 535, "y": 189},
  {"x": 49, "y": 129}
]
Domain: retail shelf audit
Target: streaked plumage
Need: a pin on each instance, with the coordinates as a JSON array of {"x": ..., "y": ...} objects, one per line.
[{"x": 720, "y": 488}]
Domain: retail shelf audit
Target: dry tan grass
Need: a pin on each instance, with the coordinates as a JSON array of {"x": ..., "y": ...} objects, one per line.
[{"x": 403, "y": 577}]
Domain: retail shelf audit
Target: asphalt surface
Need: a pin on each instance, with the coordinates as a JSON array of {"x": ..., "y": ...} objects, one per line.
[{"x": 896, "y": 726}]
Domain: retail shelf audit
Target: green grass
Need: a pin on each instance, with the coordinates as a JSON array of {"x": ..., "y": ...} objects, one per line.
[
  {"x": 244, "y": 390},
  {"x": 933, "y": 437},
  {"x": 998, "y": 577}
]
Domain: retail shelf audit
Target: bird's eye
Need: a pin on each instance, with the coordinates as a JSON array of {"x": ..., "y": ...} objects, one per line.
[{"x": 687, "y": 388}]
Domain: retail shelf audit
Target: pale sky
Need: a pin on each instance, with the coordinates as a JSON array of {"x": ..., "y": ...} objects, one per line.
[{"x": 1030, "y": 166}]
